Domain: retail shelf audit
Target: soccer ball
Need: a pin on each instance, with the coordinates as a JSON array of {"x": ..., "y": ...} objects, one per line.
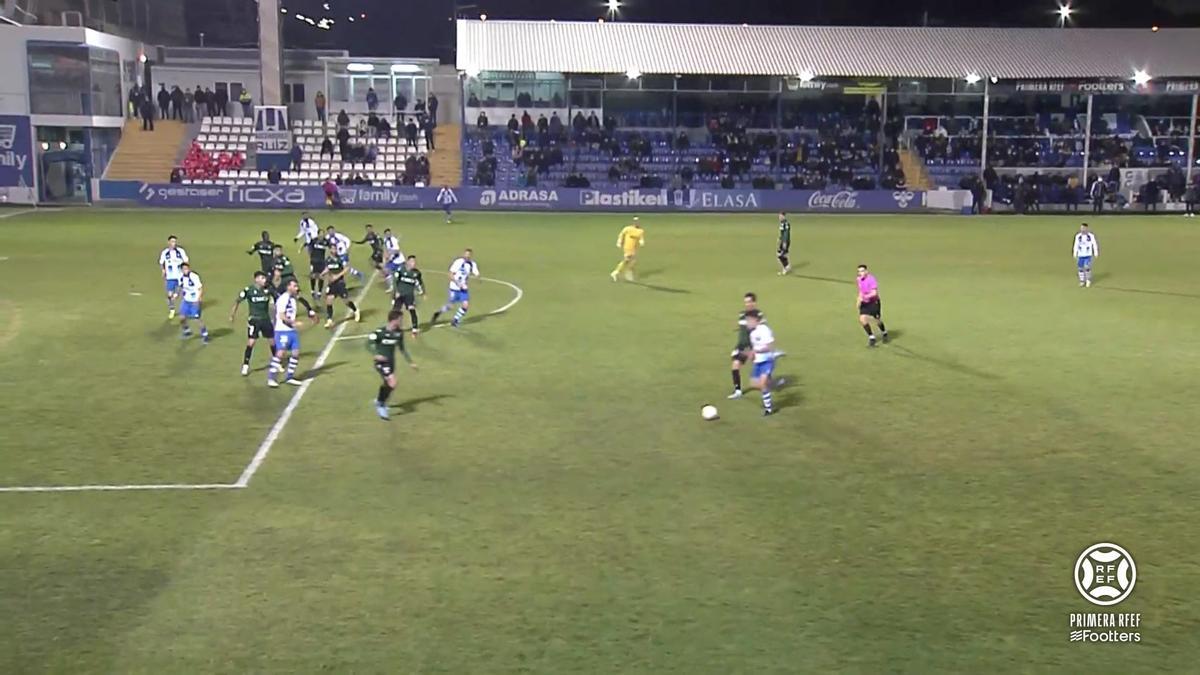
[{"x": 709, "y": 412}]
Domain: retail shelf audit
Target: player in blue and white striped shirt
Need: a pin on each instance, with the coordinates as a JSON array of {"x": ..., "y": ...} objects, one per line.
[
  {"x": 1086, "y": 247},
  {"x": 171, "y": 262}
]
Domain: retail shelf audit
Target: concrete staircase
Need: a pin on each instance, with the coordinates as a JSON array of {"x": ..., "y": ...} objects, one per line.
[
  {"x": 445, "y": 164},
  {"x": 147, "y": 155},
  {"x": 916, "y": 176}
]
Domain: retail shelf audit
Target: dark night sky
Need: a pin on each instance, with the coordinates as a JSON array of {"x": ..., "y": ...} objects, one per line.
[{"x": 423, "y": 27}]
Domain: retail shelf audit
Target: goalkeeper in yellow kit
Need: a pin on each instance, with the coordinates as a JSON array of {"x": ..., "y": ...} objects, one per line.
[{"x": 632, "y": 237}]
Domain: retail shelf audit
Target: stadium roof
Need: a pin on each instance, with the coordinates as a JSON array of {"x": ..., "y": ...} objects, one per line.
[{"x": 827, "y": 51}]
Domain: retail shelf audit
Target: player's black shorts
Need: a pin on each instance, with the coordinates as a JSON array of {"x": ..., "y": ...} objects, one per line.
[
  {"x": 385, "y": 368},
  {"x": 741, "y": 354},
  {"x": 260, "y": 328},
  {"x": 316, "y": 265},
  {"x": 338, "y": 289},
  {"x": 871, "y": 308},
  {"x": 404, "y": 302}
]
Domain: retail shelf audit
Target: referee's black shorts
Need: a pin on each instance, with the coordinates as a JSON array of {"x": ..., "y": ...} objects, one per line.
[{"x": 871, "y": 309}]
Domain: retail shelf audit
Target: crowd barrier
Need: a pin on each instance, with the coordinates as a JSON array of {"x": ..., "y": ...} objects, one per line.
[{"x": 523, "y": 199}]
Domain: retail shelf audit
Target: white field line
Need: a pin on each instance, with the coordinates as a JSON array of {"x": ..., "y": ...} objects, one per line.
[
  {"x": 517, "y": 298},
  {"x": 264, "y": 448},
  {"x": 121, "y": 488},
  {"x": 20, "y": 212}
]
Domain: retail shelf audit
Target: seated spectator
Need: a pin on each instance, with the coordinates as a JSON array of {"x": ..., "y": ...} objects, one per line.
[
  {"x": 373, "y": 124},
  {"x": 488, "y": 148},
  {"x": 384, "y": 128},
  {"x": 327, "y": 147},
  {"x": 371, "y": 154},
  {"x": 177, "y": 175},
  {"x": 297, "y": 155},
  {"x": 274, "y": 175},
  {"x": 481, "y": 122}
]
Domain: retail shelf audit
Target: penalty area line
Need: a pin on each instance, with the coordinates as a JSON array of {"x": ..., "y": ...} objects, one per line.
[
  {"x": 264, "y": 448},
  {"x": 520, "y": 293},
  {"x": 121, "y": 488}
]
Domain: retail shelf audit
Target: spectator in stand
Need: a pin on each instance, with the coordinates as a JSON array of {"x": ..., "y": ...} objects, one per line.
[
  {"x": 410, "y": 168},
  {"x": 433, "y": 108},
  {"x": 343, "y": 120},
  {"x": 274, "y": 175},
  {"x": 297, "y": 156},
  {"x": 371, "y": 154},
  {"x": 1071, "y": 193},
  {"x": 147, "y": 114},
  {"x": 428, "y": 129},
  {"x": 176, "y": 102},
  {"x": 400, "y": 104},
  {"x": 423, "y": 167},
  {"x": 1097, "y": 192},
  {"x": 543, "y": 124},
  {"x": 410, "y": 133},
  {"x": 164, "y": 102},
  {"x": 210, "y": 101},
  {"x": 481, "y": 122},
  {"x": 189, "y": 106},
  {"x": 201, "y": 103},
  {"x": 372, "y": 125},
  {"x": 177, "y": 175},
  {"x": 593, "y": 122},
  {"x": 327, "y": 147},
  {"x": 222, "y": 102},
  {"x": 133, "y": 109},
  {"x": 385, "y": 128},
  {"x": 372, "y": 99},
  {"x": 246, "y": 100},
  {"x": 343, "y": 139},
  {"x": 513, "y": 125},
  {"x": 556, "y": 126},
  {"x": 1191, "y": 197},
  {"x": 419, "y": 107},
  {"x": 579, "y": 124},
  {"x": 319, "y": 104}
]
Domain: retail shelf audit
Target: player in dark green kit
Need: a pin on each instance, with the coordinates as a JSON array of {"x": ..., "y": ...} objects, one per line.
[
  {"x": 335, "y": 275},
  {"x": 407, "y": 284},
  {"x": 785, "y": 243},
  {"x": 376, "y": 243},
  {"x": 265, "y": 248},
  {"x": 282, "y": 270},
  {"x": 383, "y": 344},
  {"x": 742, "y": 351},
  {"x": 258, "y": 323}
]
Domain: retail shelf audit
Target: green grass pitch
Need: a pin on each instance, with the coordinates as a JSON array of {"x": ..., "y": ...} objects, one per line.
[{"x": 547, "y": 499}]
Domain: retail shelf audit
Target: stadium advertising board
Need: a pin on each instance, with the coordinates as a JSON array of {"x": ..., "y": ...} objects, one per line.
[
  {"x": 516, "y": 199},
  {"x": 16, "y": 152},
  {"x": 1097, "y": 87}
]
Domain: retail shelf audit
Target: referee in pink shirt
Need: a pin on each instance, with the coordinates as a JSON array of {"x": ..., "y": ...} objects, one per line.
[{"x": 868, "y": 305}]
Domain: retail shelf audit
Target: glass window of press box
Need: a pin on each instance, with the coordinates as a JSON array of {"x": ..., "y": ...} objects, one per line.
[{"x": 74, "y": 79}]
